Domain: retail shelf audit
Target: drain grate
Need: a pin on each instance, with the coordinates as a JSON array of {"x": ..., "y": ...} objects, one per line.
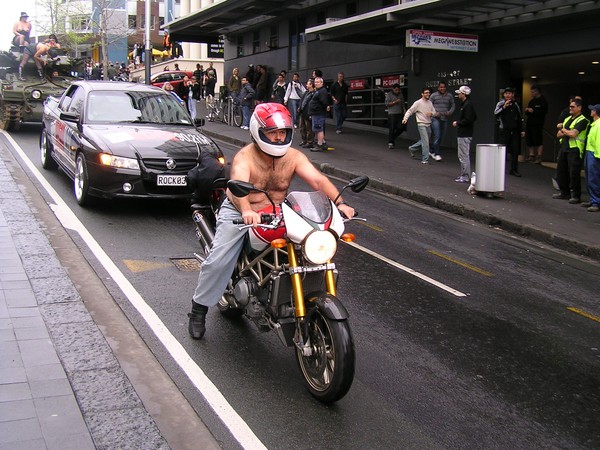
[{"x": 186, "y": 264}]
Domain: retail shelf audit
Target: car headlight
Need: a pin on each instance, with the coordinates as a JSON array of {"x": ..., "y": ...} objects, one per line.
[
  {"x": 119, "y": 162},
  {"x": 36, "y": 94},
  {"x": 319, "y": 247}
]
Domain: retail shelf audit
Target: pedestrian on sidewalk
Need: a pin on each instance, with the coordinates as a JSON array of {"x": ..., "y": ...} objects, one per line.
[
  {"x": 508, "y": 112},
  {"x": 443, "y": 102},
  {"x": 293, "y": 95},
  {"x": 592, "y": 161},
  {"x": 424, "y": 110},
  {"x": 536, "y": 111},
  {"x": 464, "y": 132},
  {"x": 318, "y": 108},
  {"x": 394, "y": 101},
  {"x": 339, "y": 95},
  {"x": 572, "y": 136},
  {"x": 260, "y": 84},
  {"x": 246, "y": 98},
  {"x": 306, "y": 132}
]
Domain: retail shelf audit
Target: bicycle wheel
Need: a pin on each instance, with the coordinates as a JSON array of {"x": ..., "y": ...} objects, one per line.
[
  {"x": 237, "y": 116},
  {"x": 224, "y": 116}
]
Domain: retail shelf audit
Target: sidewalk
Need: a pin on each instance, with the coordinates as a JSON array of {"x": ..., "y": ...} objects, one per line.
[
  {"x": 62, "y": 385},
  {"x": 527, "y": 208}
]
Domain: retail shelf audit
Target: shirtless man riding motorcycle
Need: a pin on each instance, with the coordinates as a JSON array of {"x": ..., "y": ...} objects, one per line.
[{"x": 269, "y": 163}]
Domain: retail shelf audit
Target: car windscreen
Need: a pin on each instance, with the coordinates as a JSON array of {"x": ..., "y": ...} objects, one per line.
[{"x": 135, "y": 107}]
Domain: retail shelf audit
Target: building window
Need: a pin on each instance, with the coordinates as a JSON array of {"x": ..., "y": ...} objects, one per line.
[
  {"x": 132, "y": 22},
  {"x": 274, "y": 38},
  {"x": 79, "y": 23},
  {"x": 256, "y": 42},
  {"x": 143, "y": 22},
  {"x": 240, "y": 45}
]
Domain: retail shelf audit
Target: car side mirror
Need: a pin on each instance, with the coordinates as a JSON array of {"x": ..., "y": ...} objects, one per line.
[{"x": 69, "y": 117}]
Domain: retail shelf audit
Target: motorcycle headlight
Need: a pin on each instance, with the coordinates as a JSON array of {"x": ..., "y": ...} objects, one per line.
[
  {"x": 319, "y": 247},
  {"x": 119, "y": 162},
  {"x": 35, "y": 94}
]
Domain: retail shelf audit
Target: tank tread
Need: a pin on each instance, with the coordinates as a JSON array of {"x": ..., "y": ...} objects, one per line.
[{"x": 11, "y": 117}]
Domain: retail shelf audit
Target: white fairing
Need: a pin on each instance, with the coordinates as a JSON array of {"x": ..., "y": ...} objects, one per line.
[
  {"x": 298, "y": 227},
  {"x": 318, "y": 213},
  {"x": 337, "y": 223}
]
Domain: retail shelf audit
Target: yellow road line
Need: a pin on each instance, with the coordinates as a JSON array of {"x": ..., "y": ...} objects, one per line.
[
  {"x": 584, "y": 314},
  {"x": 485, "y": 273},
  {"x": 367, "y": 224}
]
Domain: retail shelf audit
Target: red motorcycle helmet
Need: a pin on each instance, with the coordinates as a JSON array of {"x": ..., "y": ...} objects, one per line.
[{"x": 268, "y": 117}]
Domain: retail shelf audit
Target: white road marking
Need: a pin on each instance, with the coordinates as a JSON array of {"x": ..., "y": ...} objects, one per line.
[
  {"x": 408, "y": 270},
  {"x": 236, "y": 425}
]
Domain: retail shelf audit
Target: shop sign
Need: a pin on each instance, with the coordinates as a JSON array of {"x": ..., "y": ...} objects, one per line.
[
  {"x": 216, "y": 50},
  {"x": 356, "y": 85},
  {"x": 389, "y": 81},
  {"x": 437, "y": 40}
]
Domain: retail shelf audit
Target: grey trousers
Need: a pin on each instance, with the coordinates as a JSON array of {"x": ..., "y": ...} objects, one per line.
[
  {"x": 218, "y": 267},
  {"x": 464, "y": 148}
]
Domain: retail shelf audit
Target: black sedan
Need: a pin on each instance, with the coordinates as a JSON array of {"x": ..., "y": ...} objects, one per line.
[{"x": 122, "y": 140}]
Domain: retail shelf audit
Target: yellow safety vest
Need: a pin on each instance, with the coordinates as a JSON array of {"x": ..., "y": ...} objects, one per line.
[{"x": 578, "y": 141}]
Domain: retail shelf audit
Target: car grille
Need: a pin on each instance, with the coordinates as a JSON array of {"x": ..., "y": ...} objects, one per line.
[{"x": 183, "y": 165}]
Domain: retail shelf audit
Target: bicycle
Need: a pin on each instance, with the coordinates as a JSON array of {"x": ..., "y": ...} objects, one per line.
[{"x": 228, "y": 111}]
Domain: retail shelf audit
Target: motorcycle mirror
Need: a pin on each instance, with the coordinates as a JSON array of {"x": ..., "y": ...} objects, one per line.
[
  {"x": 356, "y": 185},
  {"x": 240, "y": 188},
  {"x": 359, "y": 183}
]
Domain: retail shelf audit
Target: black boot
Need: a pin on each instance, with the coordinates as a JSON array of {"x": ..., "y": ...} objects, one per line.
[{"x": 197, "y": 325}]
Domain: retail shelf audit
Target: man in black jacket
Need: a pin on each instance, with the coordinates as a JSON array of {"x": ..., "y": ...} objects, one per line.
[
  {"x": 317, "y": 109},
  {"x": 511, "y": 128},
  {"x": 464, "y": 132}
]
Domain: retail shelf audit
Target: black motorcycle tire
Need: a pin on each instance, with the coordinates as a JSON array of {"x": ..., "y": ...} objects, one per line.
[{"x": 329, "y": 372}]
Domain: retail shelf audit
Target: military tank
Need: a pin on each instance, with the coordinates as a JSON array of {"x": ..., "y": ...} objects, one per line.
[{"x": 22, "y": 100}]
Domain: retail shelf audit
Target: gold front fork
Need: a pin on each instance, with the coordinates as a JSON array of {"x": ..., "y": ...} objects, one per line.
[
  {"x": 330, "y": 282},
  {"x": 296, "y": 283}
]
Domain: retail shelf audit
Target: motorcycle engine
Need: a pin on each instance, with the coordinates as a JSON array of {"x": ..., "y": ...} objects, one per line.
[{"x": 245, "y": 288}]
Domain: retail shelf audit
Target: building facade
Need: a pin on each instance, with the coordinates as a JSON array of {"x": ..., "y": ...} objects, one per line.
[{"x": 487, "y": 45}]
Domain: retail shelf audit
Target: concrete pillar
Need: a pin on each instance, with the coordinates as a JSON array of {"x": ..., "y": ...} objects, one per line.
[
  {"x": 184, "y": 11},
  {"x": 195, "y": 48}
]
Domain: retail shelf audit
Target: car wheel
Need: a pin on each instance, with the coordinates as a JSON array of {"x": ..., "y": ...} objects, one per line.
[
  {"x": 48, "y": 161},
  {"x": 81, "y": 181}
]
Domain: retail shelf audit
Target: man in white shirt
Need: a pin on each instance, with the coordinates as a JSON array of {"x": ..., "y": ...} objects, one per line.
[{"x": 424, "y": 110}]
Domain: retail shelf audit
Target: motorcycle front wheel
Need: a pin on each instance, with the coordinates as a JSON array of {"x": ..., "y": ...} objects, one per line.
[{"x": 329, "y": 370}]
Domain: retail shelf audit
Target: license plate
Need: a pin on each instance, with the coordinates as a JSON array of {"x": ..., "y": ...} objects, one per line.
[{"x": 171, "y": 180}]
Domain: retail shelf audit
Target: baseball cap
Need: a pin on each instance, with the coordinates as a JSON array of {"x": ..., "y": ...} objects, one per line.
[
  {"x": 509, "y": 89},
  {"x": 595, "y": 108},
  {"x": 464, "y": 90},
  {"x": 24, "y": 14}
]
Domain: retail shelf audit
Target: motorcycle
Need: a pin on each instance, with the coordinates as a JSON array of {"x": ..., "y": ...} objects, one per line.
[{"x": 285, "y": 280}]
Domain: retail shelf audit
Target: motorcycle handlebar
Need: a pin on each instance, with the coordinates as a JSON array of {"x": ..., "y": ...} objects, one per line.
[{"x": 264, "y": 218}]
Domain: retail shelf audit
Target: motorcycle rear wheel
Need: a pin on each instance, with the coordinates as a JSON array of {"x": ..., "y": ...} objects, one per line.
[{"x": 329, "y": 371}]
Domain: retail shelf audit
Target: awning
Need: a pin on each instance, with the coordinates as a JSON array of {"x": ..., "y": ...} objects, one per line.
[
  {"x": 387, "y": 25},
  {"x": 218, "y": 19}
]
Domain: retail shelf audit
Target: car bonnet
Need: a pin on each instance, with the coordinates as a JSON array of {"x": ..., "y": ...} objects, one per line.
[{"x": 148, "y": 142}]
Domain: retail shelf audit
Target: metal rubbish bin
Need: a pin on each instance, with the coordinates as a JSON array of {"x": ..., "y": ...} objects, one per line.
[{"x": 489, "y": 167}]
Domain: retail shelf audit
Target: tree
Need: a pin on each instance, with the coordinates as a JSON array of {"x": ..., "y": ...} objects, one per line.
[{"x": 95, "y": 23}]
